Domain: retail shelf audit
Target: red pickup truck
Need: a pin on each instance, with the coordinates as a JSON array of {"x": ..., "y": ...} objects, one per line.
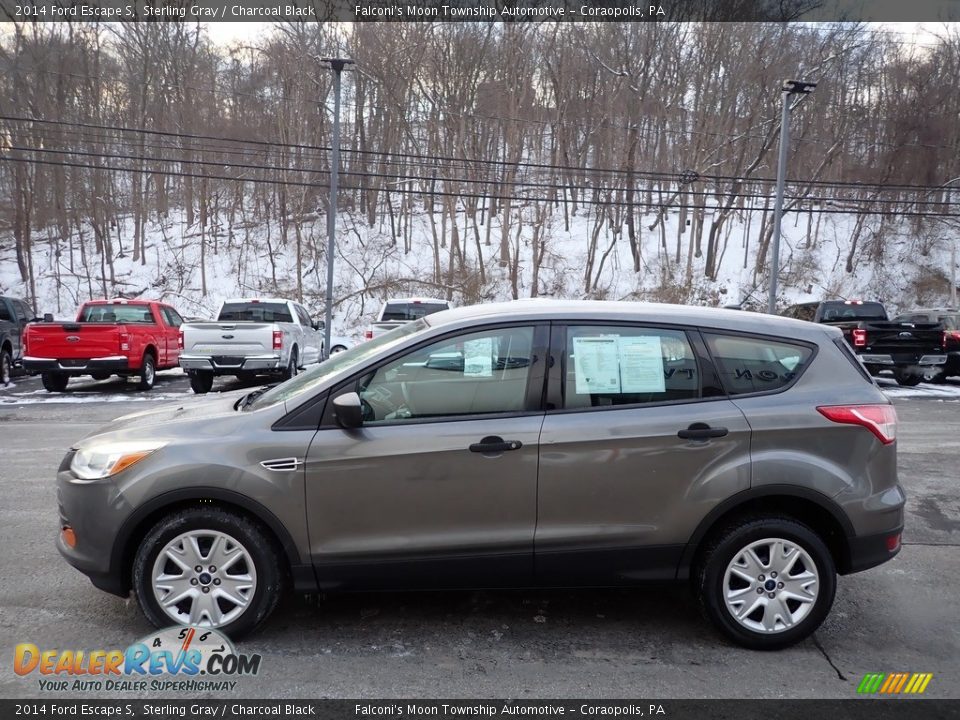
[{"x": 129, "y": 338}]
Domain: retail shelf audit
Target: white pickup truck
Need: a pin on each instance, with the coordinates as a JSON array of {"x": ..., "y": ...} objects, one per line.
[
  {"x": 399, "y": 311},
  {"x": 251, "y": 336}
]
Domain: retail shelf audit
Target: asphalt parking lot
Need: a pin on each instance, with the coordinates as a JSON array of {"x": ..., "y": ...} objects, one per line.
[{"x": 651, "y": 642}]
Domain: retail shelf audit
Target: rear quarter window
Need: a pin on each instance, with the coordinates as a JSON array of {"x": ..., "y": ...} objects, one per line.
[{"x": 755, "y": 365}]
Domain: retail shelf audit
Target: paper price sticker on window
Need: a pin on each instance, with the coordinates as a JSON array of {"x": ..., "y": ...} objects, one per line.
[
  {"x": 478, "y": 358},
  {"x": 596, "y": 363},
  {"x": 641, "y": 365}
]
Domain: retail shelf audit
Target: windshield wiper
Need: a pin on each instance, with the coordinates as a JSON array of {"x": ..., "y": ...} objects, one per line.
[{"x": 251, "y": 396}]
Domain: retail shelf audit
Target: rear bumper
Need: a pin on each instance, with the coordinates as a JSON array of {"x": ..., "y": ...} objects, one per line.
[
  {"x": 871, "y": 550},
  {"x": 888, "y": 360},
  {"x": 76, "y": 366},
  {"x": 231, "y": 364}
]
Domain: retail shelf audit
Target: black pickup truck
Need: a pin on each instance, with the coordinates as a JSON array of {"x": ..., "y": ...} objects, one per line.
[
  {"x": 14, "y": 316},
  {"x": 912, "y": 350}
]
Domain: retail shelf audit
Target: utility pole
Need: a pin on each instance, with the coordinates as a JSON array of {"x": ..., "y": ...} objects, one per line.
[
  {"x": 337, "y": 65},
  {"x": 789, "y": 87}
]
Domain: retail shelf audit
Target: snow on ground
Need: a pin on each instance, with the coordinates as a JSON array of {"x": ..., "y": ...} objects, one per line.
[{"x": 949, "y": 392}]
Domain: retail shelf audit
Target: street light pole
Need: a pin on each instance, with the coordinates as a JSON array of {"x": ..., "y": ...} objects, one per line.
[
  {"x": 790, "y": 87},
  {"x": 337, "y": 65}
]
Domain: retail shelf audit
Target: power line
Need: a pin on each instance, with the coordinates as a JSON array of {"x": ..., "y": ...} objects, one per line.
[
  {"x": 494, "y": 184},
  {"x": 469, "y": 161},
  {"x": 440, "y": 193}
]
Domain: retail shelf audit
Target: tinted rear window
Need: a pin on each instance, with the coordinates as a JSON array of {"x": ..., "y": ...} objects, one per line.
[
  {"x": 751, "y": 365},
  {"x": 840, "y": 311},
  {"x": 411, "y": 311},
  {"x": 255, "y": 312},
  {"x": 117, "y": 313}
]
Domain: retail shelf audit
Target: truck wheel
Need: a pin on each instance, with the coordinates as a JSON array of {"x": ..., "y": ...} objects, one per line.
[
  {"x": 148, "y": 373},
  {"x": 55, "y": 382},
  {"x": 291, "y": 370},
  {"x": 6, "y": 366},
  {"x": 201, "y": 381},
  {"x": 906, "y": 379}
]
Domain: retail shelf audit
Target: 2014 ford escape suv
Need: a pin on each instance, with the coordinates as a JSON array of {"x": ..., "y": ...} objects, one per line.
[{"x": 532, "y": 443}]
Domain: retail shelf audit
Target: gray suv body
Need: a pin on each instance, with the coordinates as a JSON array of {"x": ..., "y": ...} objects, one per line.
[{"x": 523, "y": 444}]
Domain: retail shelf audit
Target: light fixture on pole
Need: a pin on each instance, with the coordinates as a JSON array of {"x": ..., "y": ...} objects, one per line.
[
  {"x": 337, "y": 65},
  {"x": 789, "y": 87}
]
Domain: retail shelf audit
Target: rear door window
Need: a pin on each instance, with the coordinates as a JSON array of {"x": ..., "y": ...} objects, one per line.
[
  {"x": 753, "y": 365},
  {"x": 611, "y": 365}
]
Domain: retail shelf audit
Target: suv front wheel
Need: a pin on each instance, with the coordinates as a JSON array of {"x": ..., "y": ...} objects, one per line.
[
  {"x": 207, "y": 567},
  {"x": 766, "y": 582}
]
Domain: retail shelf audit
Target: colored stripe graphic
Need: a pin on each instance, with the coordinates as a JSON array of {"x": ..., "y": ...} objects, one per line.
[{"x": 894, "y": 683}]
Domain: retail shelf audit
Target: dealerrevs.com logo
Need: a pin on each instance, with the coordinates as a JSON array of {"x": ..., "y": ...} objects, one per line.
[{"x": 177, "y": 659}]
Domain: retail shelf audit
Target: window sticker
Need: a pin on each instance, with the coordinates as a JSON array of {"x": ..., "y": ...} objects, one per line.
[
  {"x": 641, "y": 365},
  {"x": 596, "y": 361},
  {"x": 478, "y": 357}
]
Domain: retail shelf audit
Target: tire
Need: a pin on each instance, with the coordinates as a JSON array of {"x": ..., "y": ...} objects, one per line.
[
  {"x": 337, "y": 349},
  {"x": 250, "y": 569},
  {"x": 906, "y": 379},
  {"x": 54, "y": 381},
  {"x": 292, "y": 367},
  {"x": 201, "y": 381},
  {"x": 6, "y": 367},
  {"x": 727, "y": 560},
  {"x": 148, "y": 373}
]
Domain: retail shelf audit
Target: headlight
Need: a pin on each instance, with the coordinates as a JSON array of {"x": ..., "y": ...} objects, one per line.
[{"x": 104, "y": 460}]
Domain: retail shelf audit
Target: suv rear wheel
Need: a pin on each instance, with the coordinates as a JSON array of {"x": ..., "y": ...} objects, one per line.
[
  {"x": 766, "y": 582},
  {"x": 207, "y": 567}
]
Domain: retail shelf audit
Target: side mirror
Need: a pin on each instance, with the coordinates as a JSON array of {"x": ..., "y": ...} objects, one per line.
[
  {"x": 48, "y": 317},
  {"x": 319, "y": 325},
  {"x": 348, "y": 410}
]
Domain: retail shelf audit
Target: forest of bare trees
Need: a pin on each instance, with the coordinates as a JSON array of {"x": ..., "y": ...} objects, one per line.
[{"x": 527, "y": 124}]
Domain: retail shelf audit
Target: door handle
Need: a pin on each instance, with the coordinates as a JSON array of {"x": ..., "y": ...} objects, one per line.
[
  {"x": 702, "y": 431},
  {"x": 494, "y": 444}
]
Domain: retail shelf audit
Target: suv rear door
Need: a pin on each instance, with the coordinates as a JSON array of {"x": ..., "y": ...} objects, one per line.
[{"x": 641, "y": 407}]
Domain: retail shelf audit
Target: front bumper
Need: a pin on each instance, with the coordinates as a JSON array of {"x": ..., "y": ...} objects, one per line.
[
  {"x": 77, "y": 366},
  {"x": 230, "y": 364},
  {"x": 95, "y": 511}
]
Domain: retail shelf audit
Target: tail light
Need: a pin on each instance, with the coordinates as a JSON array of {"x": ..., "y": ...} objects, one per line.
[
  {"x": 368, "y": 334},
  {"x": 124, "y": 342},
  {"x": 881, "y": 420},
  {"x": 180, "y": 340},
  {"x": 950, "y": 336},
  {"x": 277, "y": 339},
  {"x": 26, "y": 342},
  {"x": 859, "y": 338}
]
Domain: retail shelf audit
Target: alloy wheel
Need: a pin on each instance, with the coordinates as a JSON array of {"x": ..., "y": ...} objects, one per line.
[{"x": 771, "y": 585}]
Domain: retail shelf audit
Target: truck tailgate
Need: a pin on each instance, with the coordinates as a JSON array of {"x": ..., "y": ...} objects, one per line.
[
  {"x": 73, "y": 340},
  {"x": 228, "y": 338}
]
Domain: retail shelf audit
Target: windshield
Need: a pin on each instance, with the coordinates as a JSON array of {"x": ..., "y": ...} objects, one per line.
[
  {"x": 411, "y": 310},
  {"x": 308, "y": 381},
  {"x": 852, "y": 311},
  {"x": 255, "y": 311},
  {"x": 117, "y": 313}
]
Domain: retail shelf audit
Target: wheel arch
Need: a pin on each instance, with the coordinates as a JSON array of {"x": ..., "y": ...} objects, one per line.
[
  {"x": 136, "y": 527},
  {"x": 810, "y": 507}
]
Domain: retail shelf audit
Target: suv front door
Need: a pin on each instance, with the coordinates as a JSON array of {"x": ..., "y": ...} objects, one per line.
[{"x": 438, "y": 487}]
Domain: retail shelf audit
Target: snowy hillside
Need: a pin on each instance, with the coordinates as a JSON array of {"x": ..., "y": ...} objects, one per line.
[{"x": 899, "y": 266}]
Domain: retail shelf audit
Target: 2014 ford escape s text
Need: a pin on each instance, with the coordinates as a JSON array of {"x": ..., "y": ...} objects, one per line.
[{"x": 523, "y": 444}]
